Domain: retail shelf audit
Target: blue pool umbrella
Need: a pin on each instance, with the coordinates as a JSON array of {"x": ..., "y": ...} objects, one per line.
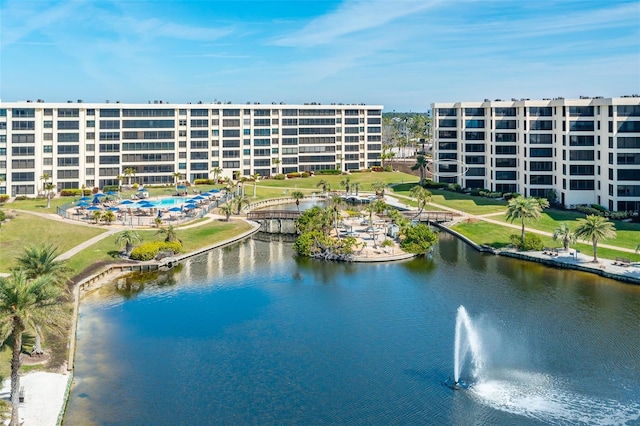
[
  {"x": 198, "y": 197},
  {"x": 110, "y": 193},
  {"x": 96, "y": 200},
  {"x": 100, "y": 195},
  {"x": 84, "y": 199},
  {"x": 175, "y": 209},
  {"x": 127, "y": 202},
  {"x": 114, "y": 209},
  {"x": 182, "y": 187},
  {"x": 94, "y": 208},
  {"x": 82, "y": 204}
]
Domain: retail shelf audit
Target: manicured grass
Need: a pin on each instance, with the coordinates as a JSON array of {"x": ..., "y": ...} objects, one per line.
[
  {"x": 26, "y": 229},
  {"x": 466, "y": 203},
  {"x": 498, "y": 236},
  {"x": 627, "y": 234},
  {"x": 107, "y": 251},
  {"x": 364, "y": 179},
  {"x": 38, "y": 205}
]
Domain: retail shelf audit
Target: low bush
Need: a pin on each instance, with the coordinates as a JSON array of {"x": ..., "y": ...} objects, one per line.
[
  {"x": 148, "y": 251},
  {"x": 305, "y": 174},
  {"x": 377, "y": 169},
  {"x": 532, "y": 242},
  {"x": 4, "y": 198},
  {"x": 437, "y": 185},
  {"x": 21, "y": 198},
  {"x": 293, "y": 175},
  {"x": 204, "y": 182},
  {"x": 73, "y": 192},
  {"x": 327, "y": 172},
  {"x": 598, "y": 207},
  {"x": 279, "y": 177},
  {"x": 490, "y": 194},
  {"x": 3, "y": 216}
]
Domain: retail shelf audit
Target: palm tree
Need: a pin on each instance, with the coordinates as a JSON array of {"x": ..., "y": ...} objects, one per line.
[
  {"x": 128, "y": 237},
  {"x": 564, "y": 234},
  {"x": 377, "y": 207},
  {"x": 129, "y": 172},
  {"x": 170, "y": 234},
  {"x": 356, "y": 187},
  {"x": 421, "y": 165},
  {"x": 595, "y": 228},
  {"x": 255, "y": 177},
  {"x": 45, "y": 178},
  {"x": 378, "y": 186},
  {"x": 41, "y": 260},
  {"x": 176, "y": 179},
  {"x": 276, "y": 161},
  {"x": 216, "y": 173},
  {"x": 108, "y": 217},
  {"x": 26, "y": 305},
  {"x": 525, "y": 208},
  {"x": 119, "y": 178},
  {"x": 422, "y": 195},
  {"x": 326, "y": 186},
  {"x": 49, "y": 187},
  {"x": 346, "y": 184},
  {"x": 241, "y": 200},
  {"x": 97, "y": 215},
  {"x": 227, "y": 210},
  {"x": 297, "y": 195}
]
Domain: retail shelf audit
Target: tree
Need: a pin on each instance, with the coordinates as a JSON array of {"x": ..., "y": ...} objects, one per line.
[
  {"x": 170, "y": 233},
  {"x": 377, "y": 207},
  {"x": 176, "y": 179},
  {"x": 227, "y": 210},
  {"x": 129, "y": 172},
  {"x": 128, "y": 237},
  {"x": 524, "y": 209},
  {"x": 564, "y": 234},
  {"x": 97, "y": 215},
  {"x": 379, "y": 186},
  {"x": 216, "y": 173},
  {"x": 421, "y": 166},
  {"x": 26, "y": 305},
  {"x": 276, "y": 162},
  {"x": 417, "y": 239},
  {"x": 326, "y": 186},
  {"x": 109, "y": 217},
  {"x": 256, "y": 178},
  {"x": 595, "y": 228},
  {"x": 41, "y": 260},
  {"x": 638, "y": 248},
  {"x": 45, "y": 178},
  {"x": 423, "y": 197},
  {"x": 297, "y": 195},
  {"x": 241, "y": 200},
  {"x": 119, "y": 178},
  {"x": 356, "y": 187},
  {"x": 49, "y": 188},
  {"x": 346, "y": 184}
]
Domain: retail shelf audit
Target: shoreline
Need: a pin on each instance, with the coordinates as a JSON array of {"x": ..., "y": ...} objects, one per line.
[{"x": 49, "y": 392}]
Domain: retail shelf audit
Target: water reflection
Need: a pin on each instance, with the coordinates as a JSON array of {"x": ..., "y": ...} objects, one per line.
[{"x": 251, "y": 334}]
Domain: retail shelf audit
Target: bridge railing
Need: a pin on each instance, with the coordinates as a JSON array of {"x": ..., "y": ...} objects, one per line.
[{"x": 272, "y": 214}]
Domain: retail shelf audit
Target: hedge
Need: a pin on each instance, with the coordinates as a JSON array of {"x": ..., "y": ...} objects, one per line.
[
  {"x": 148, "y": 251},
  {"x": 328, "y": 172},
  {"x": 4, "y": 198}
]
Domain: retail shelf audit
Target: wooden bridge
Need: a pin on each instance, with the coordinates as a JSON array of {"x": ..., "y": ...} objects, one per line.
[
  {"x": 432, "y": 216},
  {"x": 273, "y": 214}
]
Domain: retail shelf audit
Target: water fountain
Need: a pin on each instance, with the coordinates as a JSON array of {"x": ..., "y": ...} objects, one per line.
[{"x": 467, "y": 346}]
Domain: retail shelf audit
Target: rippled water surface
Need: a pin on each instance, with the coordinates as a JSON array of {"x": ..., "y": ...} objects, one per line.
[{"x": 250, "y": 335}]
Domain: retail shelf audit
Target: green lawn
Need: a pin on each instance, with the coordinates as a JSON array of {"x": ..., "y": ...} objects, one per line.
[
  {"x": 26, "y": 229},
  {"x": 627, "y": 234},
  {"x": 498, "y": 236},
  {"x": 107, "y": 251},
  {"x": 466, "y": 203}
]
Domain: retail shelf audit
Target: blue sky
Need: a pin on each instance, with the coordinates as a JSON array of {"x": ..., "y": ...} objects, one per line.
[{"x": 400, "y": 53}]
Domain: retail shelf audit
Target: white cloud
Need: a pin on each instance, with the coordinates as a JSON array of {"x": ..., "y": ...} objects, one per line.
[{"x": 351, "y": 17}]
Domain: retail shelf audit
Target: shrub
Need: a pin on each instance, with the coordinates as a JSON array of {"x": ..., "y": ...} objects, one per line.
[
  {"x": 589, "y": 210},
  {"x": 437, "y": 185},
  {"x": 148, "y": 251},
  {"x": 598, "y": 207},
  {"x": 4, "y": 198},
  {"x": 328, "y": 172},
  {"x": 532, "y": 242},
  {"x": 70, "y": 192},
  {"x": 21, "y": 198},
  {"x": 293, "y": 175},
  {"x": 108, "y": 188},
  {"x": 279, "y": 177},
  {"x": 2, "y": 216},
  {"x": 388, "y": 168},
  {"x": 377, "y": 168},
  {"x": 305, "y": 174}
]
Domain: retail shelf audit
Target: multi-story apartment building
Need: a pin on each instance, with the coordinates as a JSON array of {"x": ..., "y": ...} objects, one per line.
[
  {"x": 587, "y": 150},
  {"x": 91, "y": 144}
]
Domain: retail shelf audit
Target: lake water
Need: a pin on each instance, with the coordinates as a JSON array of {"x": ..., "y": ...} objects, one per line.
[{"x": 251, "y": 335}]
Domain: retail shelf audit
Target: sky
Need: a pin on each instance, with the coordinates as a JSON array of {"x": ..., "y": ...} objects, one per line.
[{"x": 402, "y": 54}]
